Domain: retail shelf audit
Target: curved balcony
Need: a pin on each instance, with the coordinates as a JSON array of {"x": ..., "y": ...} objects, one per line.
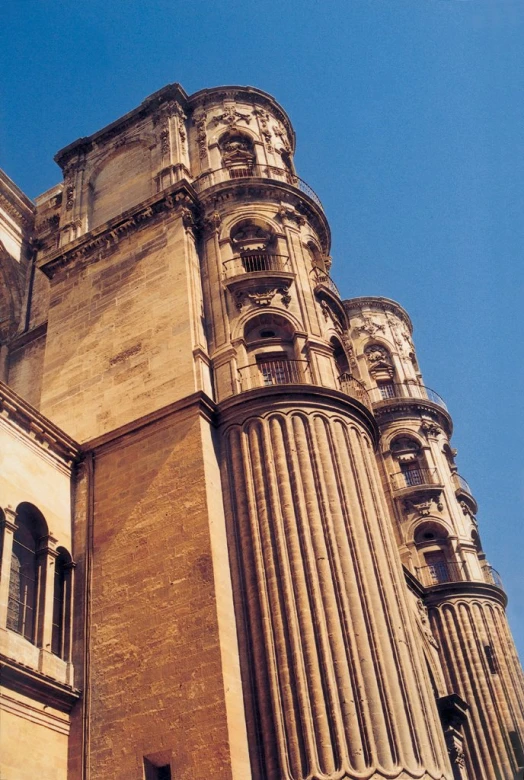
[
  {"x": 256, "y": 171},
  {"x": 281, "y": 371},
  {"x": 463, "y": 492},
  {"x": 256, "y": 263},
  {"x": 322, "y": 279},
  {"x": 394, "y": 391},
  {"x": 274, "y": 371},
  {"x": 353, "y": 387},
  {"x": 419, "y": 478},
  {"x": 491, "y": 576}
]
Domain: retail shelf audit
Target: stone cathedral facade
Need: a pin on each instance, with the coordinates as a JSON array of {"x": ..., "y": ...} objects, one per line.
[{"x": 235, "y": 542}]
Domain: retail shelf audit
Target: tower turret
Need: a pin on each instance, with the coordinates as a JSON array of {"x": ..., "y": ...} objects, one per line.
[{"x": 438, "y": 538}]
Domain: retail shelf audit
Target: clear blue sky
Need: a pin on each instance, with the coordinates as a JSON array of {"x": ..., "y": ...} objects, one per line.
[{"x": 409, "y": 118}]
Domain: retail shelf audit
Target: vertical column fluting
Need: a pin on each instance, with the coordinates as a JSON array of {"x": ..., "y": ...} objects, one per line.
[
  {"x": 480, "y": 663},
  {"x": 336, "y": 690}
]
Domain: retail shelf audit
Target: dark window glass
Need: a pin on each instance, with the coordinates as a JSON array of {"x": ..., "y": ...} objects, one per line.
[{"x": 21, "y": 606}]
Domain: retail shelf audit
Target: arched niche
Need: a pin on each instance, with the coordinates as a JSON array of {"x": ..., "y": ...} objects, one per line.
[
  {"x": 270, "y": 349},
  {"x": 237, "y": 152},
  {"x": 340, "y": 357},
  {"x": 122, "y": 181}
]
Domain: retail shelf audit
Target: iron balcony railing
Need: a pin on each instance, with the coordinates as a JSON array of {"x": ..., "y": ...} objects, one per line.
[
  {"x": 265, "y": 373},
  {"x": 395, "y": 390},
  {"x": 414, "y": 477},
  {"x": 281, "y": 371},
  {"x": 351, "y": 386},
  {"x": 441, "y": 572},
  {"x": 255, "y": 262},
  {"x": 492, "y": 576},
  {"x": 209, "y": 178},
  {"x": 321, "y": 277}
]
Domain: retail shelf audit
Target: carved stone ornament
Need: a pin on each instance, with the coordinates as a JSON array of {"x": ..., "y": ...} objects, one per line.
[
  {"x": 263, "y": 118},
  {"x": 288, "y": 213},
  {"x": 402, "y": 339},
  {"x": 375, "y": 353},
  {"x": 422, "y": 505},
  {"x": 429, "y": 428},
  {"x": 213, "y": 222},
  {"x": 466, "y": 510},
  {"x": 188, "y": 218},
  {"x": 199, "y": 120},
  {"x": 70, "y": 197},
  {"x": 164, "y": 141},
  {"x": 262, "y": 298},
  {"x": 424, "y": 622},
  {"x": 370, "y": 327},
  {"x": 456, "y": 756},
  {"x": 230, "y": 116}
]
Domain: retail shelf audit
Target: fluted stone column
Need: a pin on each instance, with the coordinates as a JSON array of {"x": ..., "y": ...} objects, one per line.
[
  {"x": 481, "y": 664},
  {"x": 336, "y": 685}
]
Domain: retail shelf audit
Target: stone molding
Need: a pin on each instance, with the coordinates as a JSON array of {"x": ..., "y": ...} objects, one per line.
[
  {"x": 355, "y": 307},
  {"x": 87, "y": 248},
  {"x": 37, "y": 686},
  {"x": 269, "y": 189},
  {"x": 436, "y": 595},
  {"x": 256, "y": 97},
  {"x": 171, "y": 92},
  {"x": 392, "y": 409},
  {"x": 46, "y": 434},
  {"x": 199, "y": 401},
  {"x": 15, "y": 202},
  {"x": 265, "y": 401},
  {"x": 174, "y": 93}
]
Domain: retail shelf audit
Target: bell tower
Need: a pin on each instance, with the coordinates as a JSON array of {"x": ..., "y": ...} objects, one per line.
[
  {"x": 278, "y": 572},
  {"x": 437, "y": 533}
]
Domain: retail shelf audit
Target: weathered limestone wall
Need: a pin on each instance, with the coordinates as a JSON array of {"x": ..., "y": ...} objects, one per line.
[
  {"x": 121, "y": 332},
  {"x": 33, "y": 739},
  {"x": 26, "y": 367},
  {"x": 163, "y": 673}
]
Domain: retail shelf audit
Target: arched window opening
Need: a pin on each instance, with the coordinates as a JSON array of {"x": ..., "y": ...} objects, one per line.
[
  {"x": 408, "y": 454},
  {"x": 238, "y": 155},
  {"x": 255, "y": 244},
  {"x": 432, "y": 542},
  {"x": 269, "y": 343},
  {"x": 341, "y": 360},
  {"x": 22, "y": 608}
]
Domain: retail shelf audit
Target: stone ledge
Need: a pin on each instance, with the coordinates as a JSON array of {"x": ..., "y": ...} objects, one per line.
[{"x": 37, "y": 686}]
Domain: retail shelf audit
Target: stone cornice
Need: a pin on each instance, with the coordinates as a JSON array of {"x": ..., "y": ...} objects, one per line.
[
  {"x": 355, "y": 306},
  {"x": 393, "y": 408},
  {"x": 451, "y": 591},
  {"x": 250, "y": 95},
  {"x": 21, "y": 339},
  {"x": 198, "y": 401},
  {"x": 179, "y": 196},
  {"x": 15, "y": 202},
  {"x": 149, "y": 105},
  {"x": 37, "y": 686},
  {"x": 21, "y": 415},
  {"x": 269, "y": 189},
  {"x": 267, "y": 400}
]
